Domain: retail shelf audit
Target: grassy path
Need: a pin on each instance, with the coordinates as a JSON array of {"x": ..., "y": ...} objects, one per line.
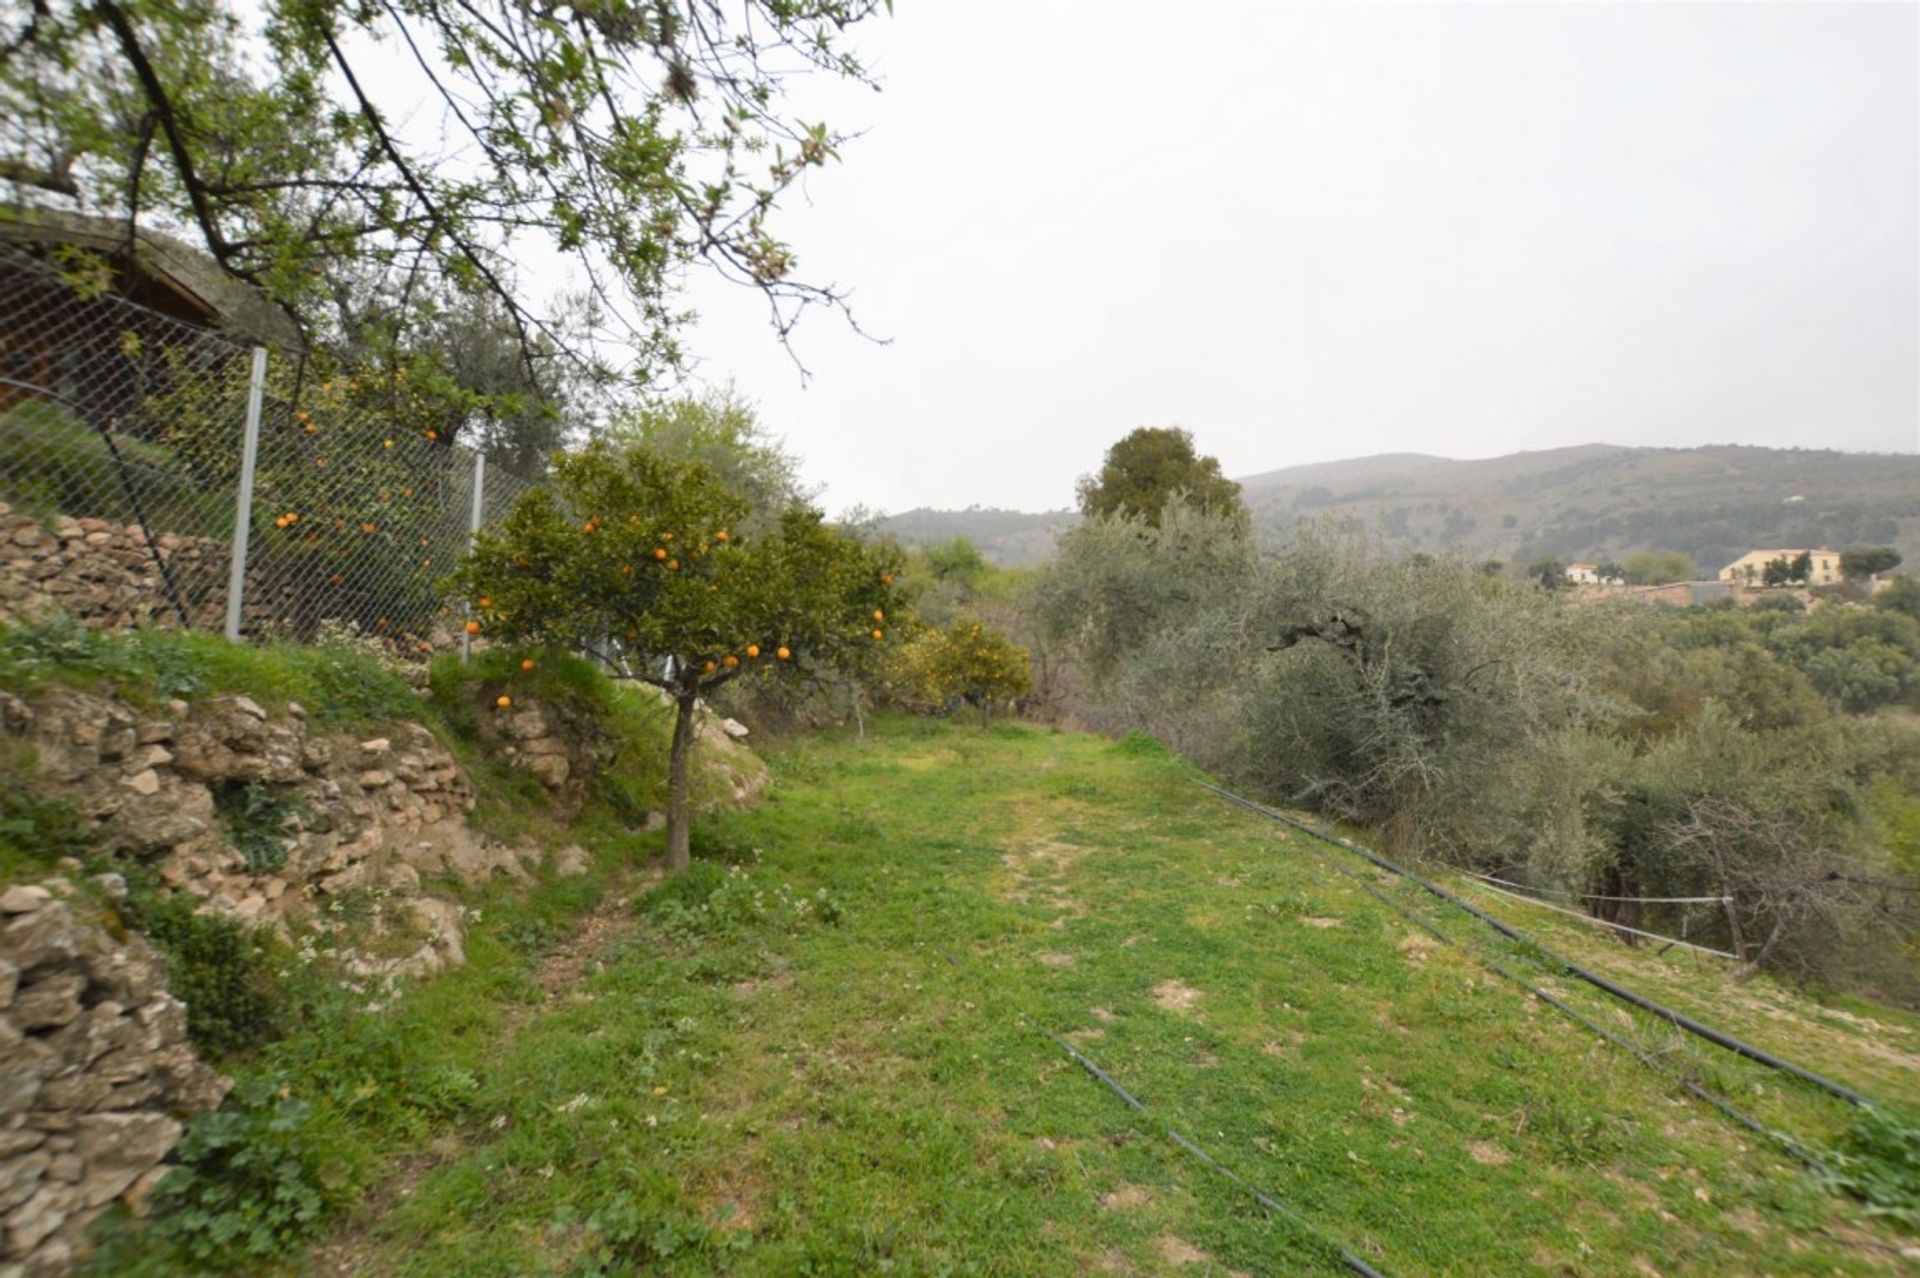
[{"x": 779, "y": 1071}]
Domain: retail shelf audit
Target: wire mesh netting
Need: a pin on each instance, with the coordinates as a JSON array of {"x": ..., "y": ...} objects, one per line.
[{"x": 122, "y": 432}]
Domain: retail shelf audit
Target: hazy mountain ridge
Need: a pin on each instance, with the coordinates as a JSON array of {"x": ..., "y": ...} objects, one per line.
[{"x": 1592, "y": 501}]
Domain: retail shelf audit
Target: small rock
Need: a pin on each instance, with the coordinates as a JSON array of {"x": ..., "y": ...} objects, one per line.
[
  {"x": 571, "y": 861},
  {"x": 734, "y": 728},
  {"x": 374, "y": 779},
  {"x": 23, "y": 898},
  {"x": 157, "y": 756},
  {"x": 379, "y": 745},
  {"x": 247, "y": 705},
  {"x": 50, "y": 1001},
  {"x": 112, "y": 886},
  {"x": 146, "y": 782},
  {"x": 296, "y": 711}
]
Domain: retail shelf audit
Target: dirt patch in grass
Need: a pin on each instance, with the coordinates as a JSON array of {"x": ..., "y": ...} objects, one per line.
[
  {"x": 1126, "y": 1198},
  {"x": 1175, "y": 996},
  {"x": 1416, "y": 948},
  {"x": 1488, "y": 1154},
  {"x": 1179, "y": 1252},
  {"x": 1055, "y": 959},
  {"x": 1315, "y": 920}
]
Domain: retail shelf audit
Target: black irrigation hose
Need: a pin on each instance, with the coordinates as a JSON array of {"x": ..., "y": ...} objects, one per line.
[
  {"x": 1353, "y": 1263},
  {"x": 1679, "y": 1019},
  {"x": 1793, "y": 1147}
]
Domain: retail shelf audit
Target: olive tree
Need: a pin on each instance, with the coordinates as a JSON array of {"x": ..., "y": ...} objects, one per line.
[{"x": 630, "y": 550}]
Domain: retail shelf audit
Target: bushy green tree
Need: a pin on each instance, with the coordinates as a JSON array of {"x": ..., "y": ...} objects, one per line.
[
  {"x": 1868, "y": 561},
  {"x": 1655, "y": 568},
  {"x": 1151, "y": 467},
  {"x": 635, "y": 553},
  {"x": 967, "y": 663},
  {"x": 721, "y": 431}
]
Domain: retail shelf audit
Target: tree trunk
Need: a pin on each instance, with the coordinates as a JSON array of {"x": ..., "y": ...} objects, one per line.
[{"x": 679, "y": 819}]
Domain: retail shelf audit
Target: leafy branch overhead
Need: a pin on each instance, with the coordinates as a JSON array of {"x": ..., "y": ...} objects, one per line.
[{"x": 637, "y": 138}]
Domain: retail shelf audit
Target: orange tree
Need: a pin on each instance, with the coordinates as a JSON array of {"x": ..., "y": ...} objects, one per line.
[{"x": 630, "y": 552}]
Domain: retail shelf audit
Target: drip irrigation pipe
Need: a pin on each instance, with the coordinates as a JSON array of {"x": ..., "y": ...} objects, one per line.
[
  {"x": 1601, "y": 923},
  {"x": 1353, "y": 1263},
  {"x": 1590, "y": 896},
  {"x": 1621, "y": 992},
  {"x": 1793, "y": 1147}
]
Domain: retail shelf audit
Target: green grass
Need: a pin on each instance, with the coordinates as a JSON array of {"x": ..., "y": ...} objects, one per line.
[
  {"x": 817, "y": 1053},
  {"x": 339, "y": 687}
]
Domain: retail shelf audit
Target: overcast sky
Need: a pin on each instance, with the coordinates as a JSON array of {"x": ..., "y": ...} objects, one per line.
[{"x": 1321, "y": 231}]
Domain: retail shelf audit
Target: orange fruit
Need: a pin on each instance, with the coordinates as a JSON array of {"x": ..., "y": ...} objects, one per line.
[
  {"x": 721, "y": 535},
  {"x": 425, "y": 646},
  {"x": 304, "y": 415},
  {"x": 312, "y": 429},
  {"x": 666, "y": 536},
  {"x": 433, "y": 434},
  {"x": 729, "y": 661},
  {"x": 527, "y": 664},
  {"x": 486, "y": 601},
  {"x": 366, "y": 528},
  {"x": 503, "y": 702},
  {"x": 878, "y": 635},
  {"x": 708, "y": 668},
  {"x": 473, "y": 627},
  {"x": 659, "y": 552},
  {"x": 878, "y": 615},
  {"x": 886, "y": 579},
  {"x": 673, "y": 565},
  {"x": 753, "y": 650},
  {"x": 386, "y": 443},
  {"x": 783, "y": 652}
]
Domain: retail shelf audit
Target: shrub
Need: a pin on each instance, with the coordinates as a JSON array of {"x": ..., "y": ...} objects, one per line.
[
  {"x": 224, "y": 971},
  {"x": 965, "y": 664},
  {"x": 1880, "y": 1165}
]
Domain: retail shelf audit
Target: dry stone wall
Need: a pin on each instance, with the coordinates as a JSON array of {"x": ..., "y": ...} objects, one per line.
[
  {"x": 95, "y": 1075},
  {"x": 106, "y": 574}
]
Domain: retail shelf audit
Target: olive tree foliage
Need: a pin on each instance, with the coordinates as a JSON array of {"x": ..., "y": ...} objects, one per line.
[
  {"x": 1151, "y": 467},
  {"x": 640, "y": 138},
  {"x": 1396, "y": 691},
  {"x": 635, "y": 553},
  {"x": 721, "y": 431},
  {"x": 1408, "y": 694}
]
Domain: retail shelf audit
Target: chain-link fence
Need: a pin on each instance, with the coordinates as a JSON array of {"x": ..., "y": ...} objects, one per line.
[{"x": 140, "y": 451}]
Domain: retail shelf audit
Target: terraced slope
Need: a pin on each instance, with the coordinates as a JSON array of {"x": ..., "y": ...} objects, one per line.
[{"x": 819, "y": 1052}]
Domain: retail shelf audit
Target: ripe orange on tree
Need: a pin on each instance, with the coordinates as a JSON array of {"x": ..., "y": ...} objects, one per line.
[
  {"x": 503, "y": 701},
  {"x": 527, "y": 664},
  {"x": 473, "y": 627},
  {"x": 783, "y": 652}
]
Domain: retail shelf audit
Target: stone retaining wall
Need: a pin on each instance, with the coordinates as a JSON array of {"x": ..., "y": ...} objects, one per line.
[
  {"x": 106, "y": 575},
  {"x": 95, "y": 1076}
]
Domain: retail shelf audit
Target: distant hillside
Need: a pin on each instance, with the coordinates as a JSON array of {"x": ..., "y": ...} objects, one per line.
[
  {"x": 1012, "y": 538},
  {"x": 1599, "y": 500},
  {"x": 1588, "y": 502}
]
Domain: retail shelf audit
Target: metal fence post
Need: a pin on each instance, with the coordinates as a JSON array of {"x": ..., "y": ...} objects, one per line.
[
  {"x": 473, "y": 533},
  {"x": 243, "y": 506}
]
